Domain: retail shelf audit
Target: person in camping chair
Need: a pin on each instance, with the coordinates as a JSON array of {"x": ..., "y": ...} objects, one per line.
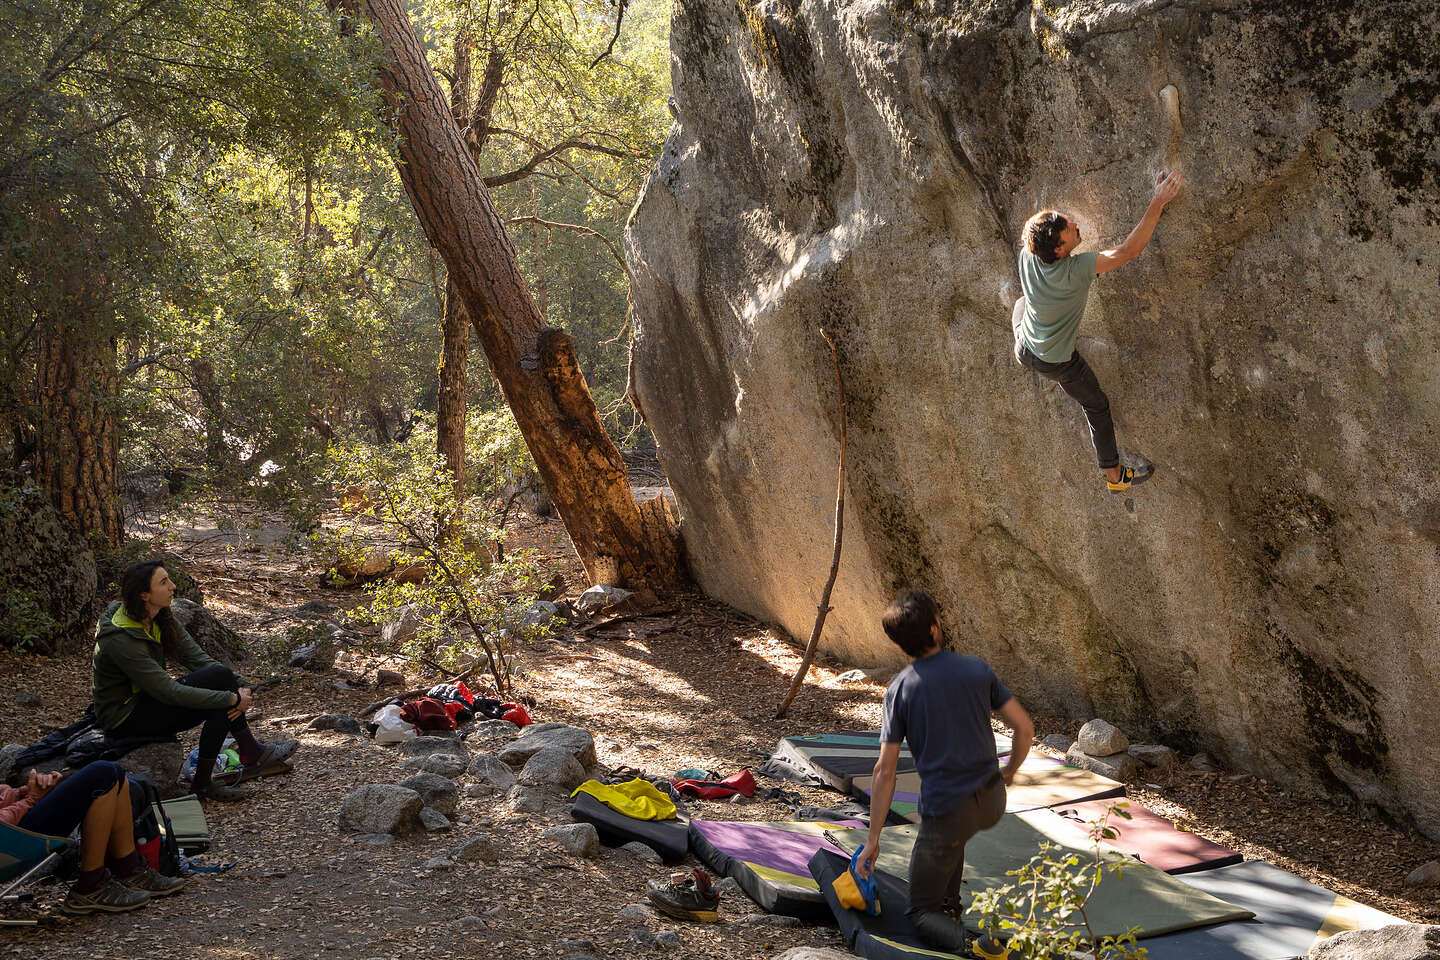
[
  {"x": 135, "y": 696},
  {"x": 941, "y": 703},
  {"x": 96, "y": 798}
]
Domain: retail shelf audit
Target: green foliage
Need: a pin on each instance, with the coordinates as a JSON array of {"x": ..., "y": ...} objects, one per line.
[
  {"x": 1043, "y": 911},
  {"x": 469, "y": 606}
]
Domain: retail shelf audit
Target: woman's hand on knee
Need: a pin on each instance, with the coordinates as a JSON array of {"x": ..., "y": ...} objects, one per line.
[{"x": 242, "y": 705}]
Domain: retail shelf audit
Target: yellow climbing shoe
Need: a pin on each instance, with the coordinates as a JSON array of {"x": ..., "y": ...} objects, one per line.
[
  {"x": 988, "y": 948},
  {"x": 1129, "y": 477}
]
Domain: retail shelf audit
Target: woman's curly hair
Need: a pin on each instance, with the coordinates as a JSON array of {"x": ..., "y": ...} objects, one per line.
[{"x": 1042, "y": 234}]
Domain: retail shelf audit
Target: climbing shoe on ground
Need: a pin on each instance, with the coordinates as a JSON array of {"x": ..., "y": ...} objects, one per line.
[
  {"x": 149, "y": 880},
  {"x": 988, "y": 948},
  {"x": 691, "y": 897},
  {"x": 1129, "y": 477},
  {"x": 275, "y": 758},
  {"x": 111, "y": 896}
]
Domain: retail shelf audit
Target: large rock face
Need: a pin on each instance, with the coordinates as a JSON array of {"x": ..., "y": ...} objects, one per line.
[{"x": 864, "y": 167}]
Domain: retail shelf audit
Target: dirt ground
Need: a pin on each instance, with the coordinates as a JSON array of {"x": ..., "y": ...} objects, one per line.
[{"x": 695, "y": 688}]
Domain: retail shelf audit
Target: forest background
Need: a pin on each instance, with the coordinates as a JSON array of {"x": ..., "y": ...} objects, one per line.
[{"x": 213, "y": 287}]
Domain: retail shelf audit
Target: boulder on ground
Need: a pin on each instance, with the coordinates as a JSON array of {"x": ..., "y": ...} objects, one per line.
[
  {"x": 160, "y": 763},
  {"x": 523, "y": 799},
  {"x": 214, "y": 637},
  {"x": 338, "y": 722},
  {"x": 1100, "y": 738},
  {"x": 437, "y": 792},
  {"x": 424, "y": 746},
  {"x": 580, "y": 839},
  {"x": 553, "y": 767},
  {"x": 1426, "y": 873},
  {"x": 490, "y": 771},
  {"x": 389, "y": 678},
  {"x": 600, "y": 596},
  {"x": 1404, "y": 941},
  {"x": 1154, "y": 755},
  {"x": 403, "y": 629},
  {"x": 445, "y": 764},
  {"x": 317, "y": 655},
  {"x": 536, "y": 737},
  {"x": 489, "y": 734},
  {"x": 1116, "y": 766},
  {"x": 380, "y": 808},
  {"x": 433, "y": 820},
  {"x": 476, "y": 849}
]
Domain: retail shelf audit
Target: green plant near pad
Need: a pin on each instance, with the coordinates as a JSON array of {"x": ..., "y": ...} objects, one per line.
[
  {"x": 1043, "y": 913},
  {"x": 409, "y": 496}
]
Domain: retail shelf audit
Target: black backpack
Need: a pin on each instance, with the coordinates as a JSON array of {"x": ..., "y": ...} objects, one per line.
[{"x": 145, "y": 804}]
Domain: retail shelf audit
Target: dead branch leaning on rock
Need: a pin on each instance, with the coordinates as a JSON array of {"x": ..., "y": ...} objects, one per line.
[{"x": 824, "y": 607}]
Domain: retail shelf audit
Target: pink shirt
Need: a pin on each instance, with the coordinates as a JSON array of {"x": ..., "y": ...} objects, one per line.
[{"x": 15, "y": 802}]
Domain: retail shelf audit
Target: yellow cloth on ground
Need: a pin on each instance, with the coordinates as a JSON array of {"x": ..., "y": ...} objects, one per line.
[{"x": 635, "y": 798}]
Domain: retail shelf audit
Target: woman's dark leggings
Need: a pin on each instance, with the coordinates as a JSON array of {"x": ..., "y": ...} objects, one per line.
[
  {"x": 151, "y": 718},
  {"x": 61, "y": 810}
]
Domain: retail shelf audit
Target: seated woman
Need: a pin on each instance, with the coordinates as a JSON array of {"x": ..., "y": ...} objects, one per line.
[
  {"x": 135, "y": 696},
  {"x": 97, "y": 799}
]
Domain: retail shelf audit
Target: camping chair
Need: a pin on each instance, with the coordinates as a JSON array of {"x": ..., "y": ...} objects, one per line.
[{"x": 27, "y": 854}]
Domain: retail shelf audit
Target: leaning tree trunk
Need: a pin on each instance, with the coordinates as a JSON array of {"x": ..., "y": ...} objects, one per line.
[
  {"x": 77, "y": 440},
  {"x": 535, "y": 365}
]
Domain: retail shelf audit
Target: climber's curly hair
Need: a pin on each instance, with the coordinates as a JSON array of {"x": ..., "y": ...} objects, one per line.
[{"x": 1042, "y": 234}]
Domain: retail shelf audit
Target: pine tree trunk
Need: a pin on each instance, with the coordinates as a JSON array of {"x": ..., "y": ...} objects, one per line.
[
  {"x": 77, "y": 440},
  {"x": 534, "y": 364},
  {"x": 450, "y": 419}
]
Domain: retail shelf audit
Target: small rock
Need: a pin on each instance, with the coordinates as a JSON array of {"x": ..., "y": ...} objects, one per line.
[
  {"x": 813, "y": 953},
  {"x": 491, "y": 733},
  {"x": 523, "y": 799},
  {"x": 641, "y": 851},
  {"x": 553, "y": 767},
  {"x": 380, "y": 808},
  {"x": 538, "y": 736},
  {"x": 403, "y": 630},
  {"x": 1116, "y": 766},
  {"x": 477, "y": 790},
  {"x": 1154, "y": 755},
  {"x": 476, "y": 850},
  {"x": 1100, "y": 738},
  {"x": 635, "y": 911},
  {"x": 338, "y": 722},
  {"x": 667, "y": 939},
  {"x": 314, "y": 656},
  {"x": 538, "y": 614},
  {"x": 375, "y": 839},
  {"x": 8, "y": 755},
  {"x": 436, "y": 792},
  {"x": 1205, "y": 762},
  {"x": 586, "y": 945},
  {"x": 27, "y": 700},
  {"x": 579, "y": 839},
  {"x": 1403, "y": 941},
  {"x": 1427, "y": 873},
  {"x": 470, "y": 923},
  {"x": 429, "y": 745},
  {"x": 600, "y": 596},
  {"x": 641, "y": 937},
  {"x": 770, "y": 920},
  {"x": 389, "y": 678},
  {"x": 439, "y": 863},
  {"x": 852, "y": 676},
  {"x": 433, "y": 820},
  {"x": 490, "y": 771},
  {"x": 442, "y": 763},
  {"x": 1058, "y": 742}
]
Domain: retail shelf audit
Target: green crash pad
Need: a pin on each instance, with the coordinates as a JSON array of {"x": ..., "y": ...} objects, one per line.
[
  {"x": 187, "y": 819},
  {"x": 838, "y": 758},
  {"x": 1040, "y": 782},
  {"x": 1141, "y": 896}
]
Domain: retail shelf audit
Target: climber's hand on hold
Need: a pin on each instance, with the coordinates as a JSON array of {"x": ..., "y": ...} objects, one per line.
[{"x": 1167, "y": 185}]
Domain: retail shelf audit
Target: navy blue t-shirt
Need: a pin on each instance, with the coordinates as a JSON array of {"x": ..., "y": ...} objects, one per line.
[{"x": 942, "y": 704}]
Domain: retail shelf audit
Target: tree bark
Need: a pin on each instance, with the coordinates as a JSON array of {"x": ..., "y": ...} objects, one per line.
[
  {"x": 77, "y": 440},
  {"x": 534, "y": 364},
  {"x": 450, "y": 418}
]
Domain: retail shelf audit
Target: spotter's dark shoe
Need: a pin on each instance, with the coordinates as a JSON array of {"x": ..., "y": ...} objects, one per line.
[{"x": 692, "y": 897}]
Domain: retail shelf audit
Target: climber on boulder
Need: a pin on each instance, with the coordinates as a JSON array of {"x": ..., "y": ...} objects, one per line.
[{"x": 1056, "y": 282}]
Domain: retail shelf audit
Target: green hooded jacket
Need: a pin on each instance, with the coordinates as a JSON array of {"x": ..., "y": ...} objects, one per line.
[{"x": 128, "y": 661}]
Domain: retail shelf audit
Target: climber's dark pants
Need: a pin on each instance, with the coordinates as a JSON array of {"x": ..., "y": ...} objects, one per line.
[
  {"x": 1078, "y": 380},
  {"x": 938, "y": 859},
  {"x": 151, "y": 718}
]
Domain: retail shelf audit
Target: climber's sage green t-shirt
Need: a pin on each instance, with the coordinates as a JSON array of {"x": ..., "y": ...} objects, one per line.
[{"x": 1054, "y": 302}]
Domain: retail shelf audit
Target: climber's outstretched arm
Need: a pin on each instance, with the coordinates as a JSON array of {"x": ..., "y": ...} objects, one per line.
[{"x": 1166, "y": 187}]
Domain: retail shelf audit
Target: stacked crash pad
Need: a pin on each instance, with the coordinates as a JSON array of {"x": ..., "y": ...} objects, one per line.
[
  {"x": 1040, "y": 782},
  {"x": 836, "y": 759},
  {"x": 770, "y": 861},
  {"x": 669, "y": 838},
  {"x": 1137, "y": 896}
]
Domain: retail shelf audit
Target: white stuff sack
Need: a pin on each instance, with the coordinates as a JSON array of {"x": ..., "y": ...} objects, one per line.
[{"x": 391, "y": 728}]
